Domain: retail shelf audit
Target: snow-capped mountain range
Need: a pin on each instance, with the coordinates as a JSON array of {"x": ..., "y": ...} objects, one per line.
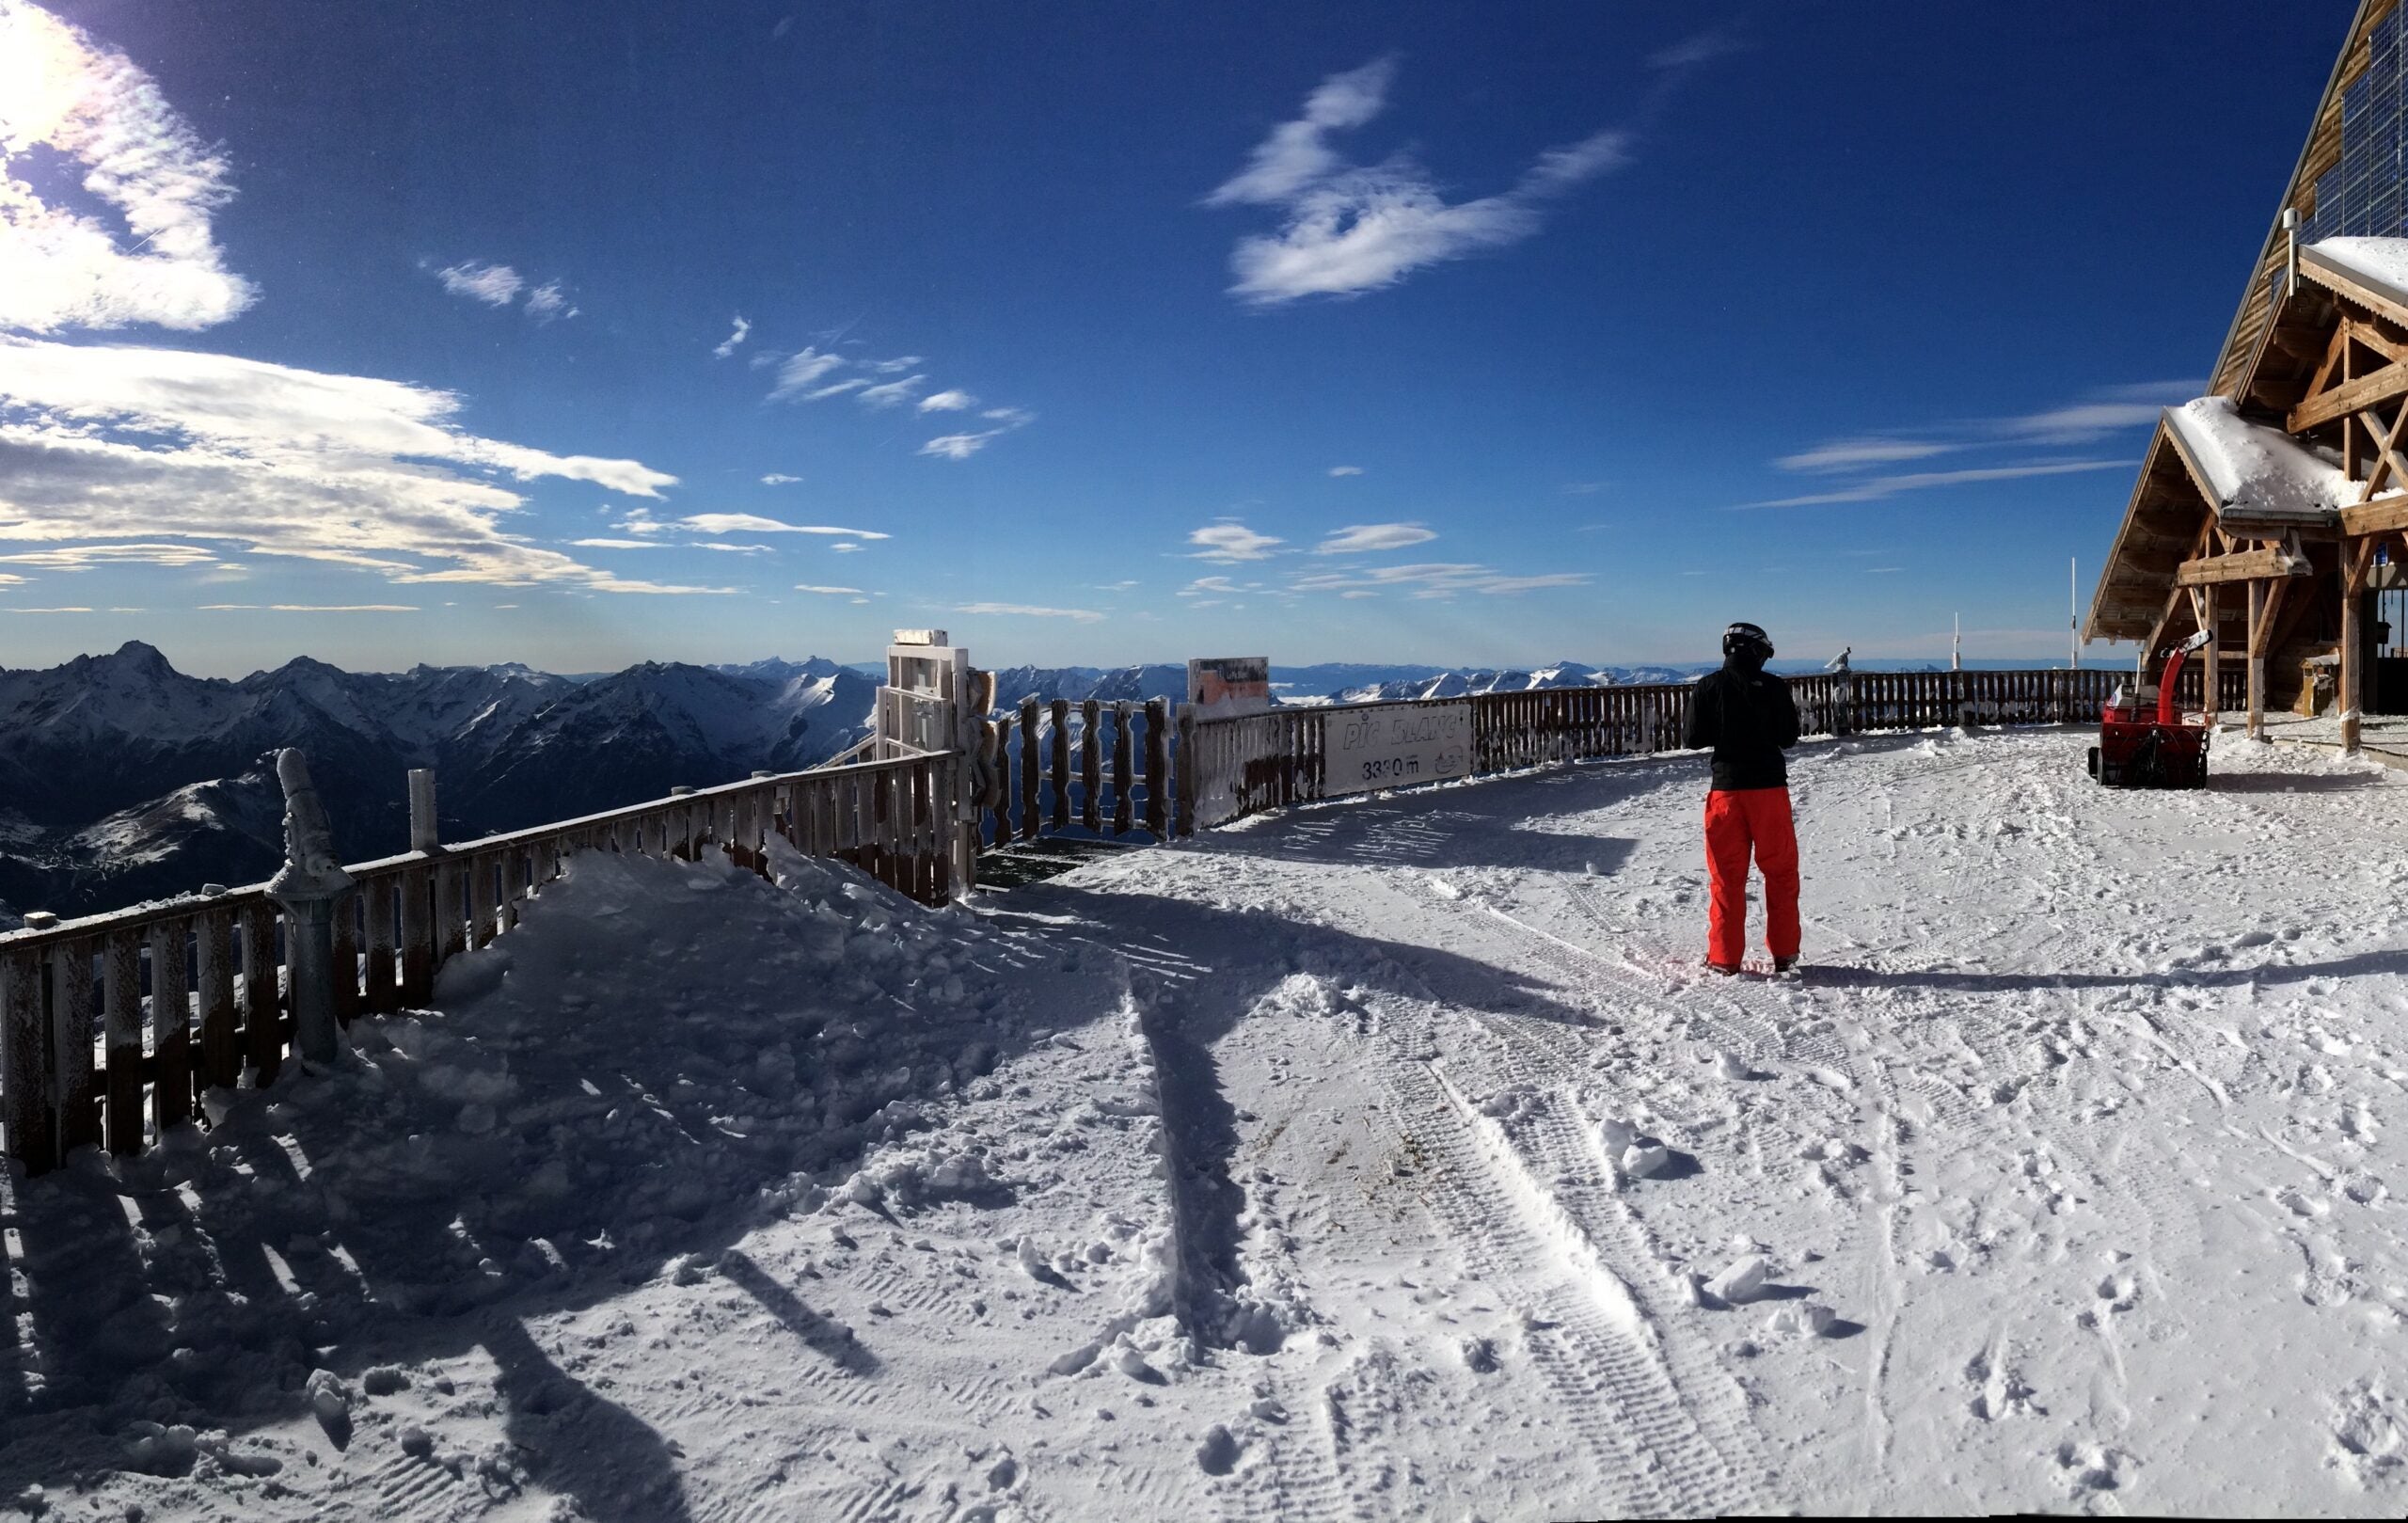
[{"x": 121, "y": 778}]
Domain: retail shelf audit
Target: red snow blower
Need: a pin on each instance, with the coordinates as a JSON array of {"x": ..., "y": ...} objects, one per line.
[{"x": 2158, "y": 751}]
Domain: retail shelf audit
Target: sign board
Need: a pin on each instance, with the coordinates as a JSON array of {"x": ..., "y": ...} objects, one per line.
[
  {"x": 1394, "y": 746},
  {"x": 1225, "y": 687}
]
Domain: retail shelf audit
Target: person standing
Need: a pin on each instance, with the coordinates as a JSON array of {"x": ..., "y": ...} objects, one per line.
[{"x": 1747, "y": 718}]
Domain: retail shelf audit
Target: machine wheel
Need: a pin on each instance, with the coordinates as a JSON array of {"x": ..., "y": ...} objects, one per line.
[{"x": 2094, "y": 761}]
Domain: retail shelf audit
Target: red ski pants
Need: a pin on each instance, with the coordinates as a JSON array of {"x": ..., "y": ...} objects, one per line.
[{"x": 1737, "y": 822}]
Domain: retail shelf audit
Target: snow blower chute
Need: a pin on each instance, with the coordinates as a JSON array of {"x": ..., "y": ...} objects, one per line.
[{"x": 2157, "y": 752}]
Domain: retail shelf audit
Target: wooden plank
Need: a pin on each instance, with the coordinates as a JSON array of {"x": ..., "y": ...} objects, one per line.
[
  {"x": 451, "y": 927},
  {"x": 262, "y": 1007},
  {"x": 381, "y": 995},
  {"x": 2388, "y": 515},
  {"x": 221, "y": 1056},
  {"x": 346, "y": 956},
  {"x": 71, "y": 1022},
  {"x": 2348, "y": 397},
  {"x": 1183, "y": 820},
  {"x": 1090, "y": 765},
  {"x": 121, "y": 1032},
  {"x": 416, "y": 888},
  {"x": 27, "y": 1084},
  {"x": 171, "y": 1023}
]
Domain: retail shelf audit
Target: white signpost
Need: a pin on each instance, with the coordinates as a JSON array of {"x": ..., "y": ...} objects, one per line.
[{"x": 1395, "y": 746}]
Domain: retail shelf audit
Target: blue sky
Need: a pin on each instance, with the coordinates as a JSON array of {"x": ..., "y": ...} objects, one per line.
[{"x": 584, "y": 334}]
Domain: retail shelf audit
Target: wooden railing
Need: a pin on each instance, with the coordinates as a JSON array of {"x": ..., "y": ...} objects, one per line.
[
  {"x": 1097, "y": 768},
  {"x": 1244, "y": 766},
  {"x": 112, "y": 1026}
]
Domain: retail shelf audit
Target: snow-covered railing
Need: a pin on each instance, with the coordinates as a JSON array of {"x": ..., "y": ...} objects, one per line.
[
  {"x": 113, "y": 1026},
  {"x": 1243, "y": 766}
]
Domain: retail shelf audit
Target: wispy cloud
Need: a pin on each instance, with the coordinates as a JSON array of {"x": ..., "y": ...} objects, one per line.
[
  {"x": 962, "y": 446},
  {"x": 733, "y": 549},
  {"x": 1229, "y": 540},
  {"x": 1349, "y": 228},
  {"x": 496, "y": 285},
  {"x": 779, "y": 477},
  {"x": 113, "y": 442},
  {"x": 1346, "y": 470},
  {"x": 1704, "y": 47},
  {"x": 729, "y": 344},
  {"x": 800, "y": 372},
  {"x": 948, "y": 402},
  {"x": 1028, "y": 610},
  {"x": 1879, "y": 487},
  {"x": 1360, "y": 539},
  {"x": 1434, "y": 579},
  {"x": 891, "y": 367},
  {"x": 1854, "y": 454},
  {"x": 63, "y": 92},
  {"x": 85, "y": 557},
  {"x": 310, "y": 608},
  {"x": 14, "y": 610},
  {"x": 549, "y": 301},
  {"x": 619, "y": 544},
  {"x": 749, "y": 523},
  {"x": 829, "y": 592},
  {"x": 891, "y": 393}
]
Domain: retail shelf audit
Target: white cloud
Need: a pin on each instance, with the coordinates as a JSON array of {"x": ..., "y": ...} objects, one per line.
[
  {"x": 749, "y": 523},
  {"x": 549, "y": 301},
  {"x": 732, "y": 550},
  {"x": 1851, "y": 454},
  {"x": 891, "y": 393},
  {"x": 1350, "y": 229},
  {"x": 1692, "y": 51},
  {"x": 1346, "y": 470},
  {"x": 1009, "y": 416},
  {"x": 63, "y": 92},
  {"x": 311, "y": 608},
  {"x": 11, "y": 579},
  {"x": 2083, "y": 421},
  {"x": 85, "y": 557},
  {"x": 779, "y": 477},
  {"x": 799, "y": 371},
  {"x": 618, "y": 544},
  {"x": 831, "y": 592},
  {"x": 844, "y": 547},
  {"x": 1359, "y": 539},
  {"x": 1434, "y": 579},
  {"x": 891, "y": 367},
  {"x": 1229, "y": 540},
  {"x": 960, "y": 446},
  {"x": 948, "y": 402},
  {"x": 49, "y": 610},
  {"x": 728, "y": 345},
  {"x": 496, "y": 285},
  {"x": 1879, "y": 487},
  {"x": 823, "y": 393},
  {"x": 1081, "y": 615},
  {"x": 114, "y": 442}
]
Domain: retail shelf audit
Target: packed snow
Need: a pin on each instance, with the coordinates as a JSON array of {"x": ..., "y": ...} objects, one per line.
[
  {"x": 1382, "y": 1159},
  {"x": 2260, "y": 472},
  {"x": 2381, "y": 263}
]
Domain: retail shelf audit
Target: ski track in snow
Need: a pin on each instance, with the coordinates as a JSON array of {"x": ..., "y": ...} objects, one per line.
[{"x": 1278, "y": 1177}]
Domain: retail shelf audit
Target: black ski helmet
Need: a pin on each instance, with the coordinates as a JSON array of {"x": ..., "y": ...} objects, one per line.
[{"x": 1746, "y": 637}]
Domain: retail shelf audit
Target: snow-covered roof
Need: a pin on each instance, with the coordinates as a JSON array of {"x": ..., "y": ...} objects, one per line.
[
  {"x": 2256, "y": 472},
  {"x": 2378, "y": 264}
]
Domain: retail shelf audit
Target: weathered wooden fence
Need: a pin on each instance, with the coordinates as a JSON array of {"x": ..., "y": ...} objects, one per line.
[
  {"x": 1091, "y": 767},
  {"x": 1264, "y": 761},
  {"x": 111, "y": 1026}
]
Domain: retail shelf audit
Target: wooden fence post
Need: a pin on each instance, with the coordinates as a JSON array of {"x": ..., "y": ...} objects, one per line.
[
  {"x": 171, "y": 1023},
  {"x": 70, "y": 1006},
  {"x": 1090, "y": 765},
  {"x": 1061, "y": 764},
  {"x": 1029, "y": 771},
  {"x": 263, "y": 1010},
  {"x": 121, "y": 1024},
  {"x": 1122, "y": 809},
  {"x": 1185, "y": 822},
  {"x": 221, "y": 1055},
  {"x": 27, "y": 1084},
  {"x": 1157, "y": 769}
]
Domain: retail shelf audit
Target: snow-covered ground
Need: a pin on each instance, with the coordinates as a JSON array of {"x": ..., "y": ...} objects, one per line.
[{"x": 1385, "y": 1159}]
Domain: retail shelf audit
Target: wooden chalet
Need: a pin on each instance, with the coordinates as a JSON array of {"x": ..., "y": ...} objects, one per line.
[{"x": 2270, "y": 510}]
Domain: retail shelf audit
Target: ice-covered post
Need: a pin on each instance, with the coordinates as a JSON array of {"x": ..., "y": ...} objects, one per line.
[
  {"x": 424, "y": 834},
  {"x": 307, "y": 887}
]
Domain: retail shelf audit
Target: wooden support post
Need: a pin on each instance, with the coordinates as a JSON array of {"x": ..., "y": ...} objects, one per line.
[
  {"x": 1029, "y": 771},
  {"x": 171, "y": 1023},
  {"x": 2358, "y": 557},
  {"x": 1157, "y": 769},
  {"x": 1123, "y": 809},
  {"x": 72, "y": 1015},
  {"x": 29, "y": 1095},
  {"x": 1090, "y": 765},
  {"x": 263, "y": 1010},
  {"x": 1184, "y": 823},
  {"x": 2256, "y": 722},
  {"x": 2211, "y": 668},
  {"x": 221, "y": 1054},
  {"x": 418, "y": 934},
  {"x": 1061, "y": 764},
  {"x": 121, "y": 1026}
]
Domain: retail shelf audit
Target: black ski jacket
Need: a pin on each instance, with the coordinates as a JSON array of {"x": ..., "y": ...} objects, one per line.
[{"x": 1749, "y": 719}]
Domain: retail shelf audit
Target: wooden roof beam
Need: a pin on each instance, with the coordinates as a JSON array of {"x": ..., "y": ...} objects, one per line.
[
  {"x": 2347, "y": 398},
  {"x": 2240, "y": 565}
]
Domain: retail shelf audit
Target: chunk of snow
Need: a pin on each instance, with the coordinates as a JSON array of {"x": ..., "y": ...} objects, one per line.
[
  {"x": 2256, "y": 472},
  {"x": 1741, "y": 1281}
]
